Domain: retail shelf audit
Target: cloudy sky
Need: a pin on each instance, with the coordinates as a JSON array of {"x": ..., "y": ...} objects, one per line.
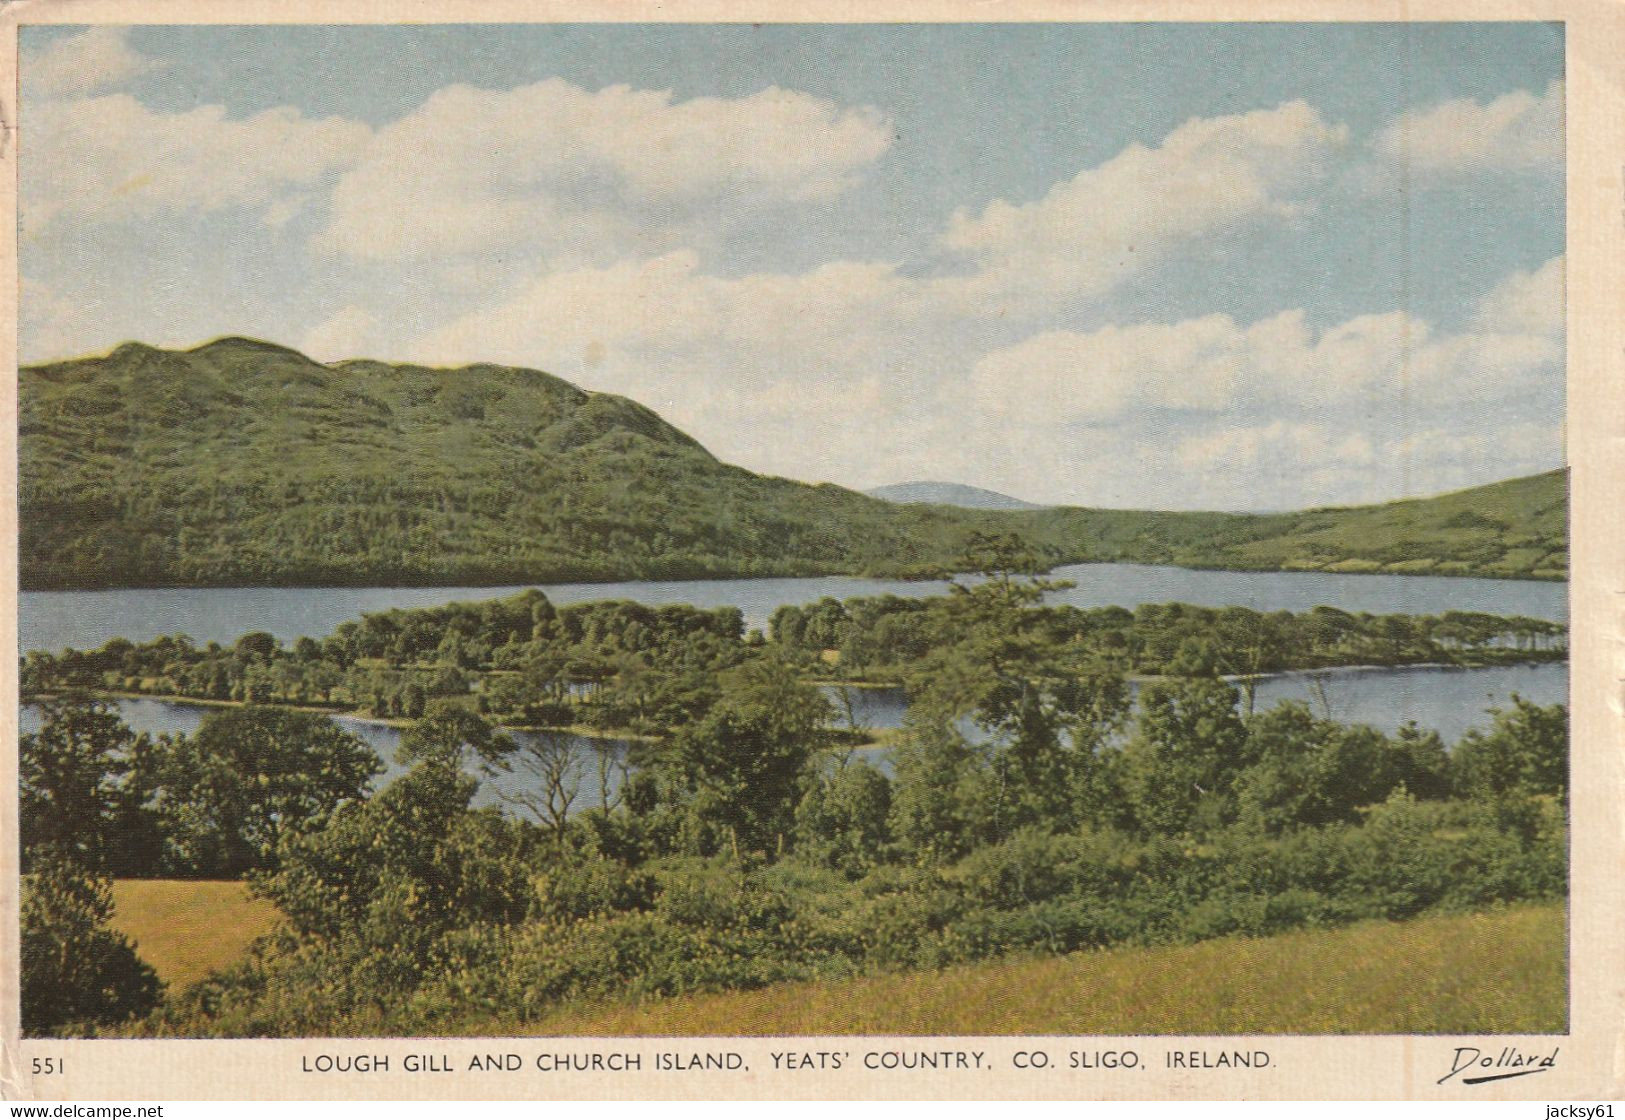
[{"x": 1245, "y": 266}]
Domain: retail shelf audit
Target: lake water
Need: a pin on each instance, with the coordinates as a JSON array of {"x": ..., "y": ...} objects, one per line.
[
  {"x": 1446, "y": 700},
  {"x": 54, "y": 620},
  {"x": 163, "y": 717},
  {"x": 1443, "y": 699}
]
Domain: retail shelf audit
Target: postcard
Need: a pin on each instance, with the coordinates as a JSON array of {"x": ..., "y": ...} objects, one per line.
[{"x": 788, "y": 551}]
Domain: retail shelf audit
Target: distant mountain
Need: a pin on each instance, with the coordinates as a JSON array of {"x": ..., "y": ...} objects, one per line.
[
  {"x": 243, "y": 463},
  {"x": 947, "y": 494}
]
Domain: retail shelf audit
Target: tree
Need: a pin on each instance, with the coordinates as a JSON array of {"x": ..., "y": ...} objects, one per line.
[
  {"x": 389, "y": 876},
  {"x": 1188, "y": 746},
  {"x": 1525, "y": 752},
  {"x": 1308, "y": 771},
  {"x": 939, "y": 793},
  {"x": 1046, "y": 711},
  {"x": 550, "y": 768},
  {"x": 256, "y": 646},
  {"x": 76, "y": 971},
  {"x": 250, "y": 775},
  {"x": 842, "y": 820},
  {"x": 744, "y": 762},
  {"x": 457, "y": 737},
  {"x": 72, "y": 793}
]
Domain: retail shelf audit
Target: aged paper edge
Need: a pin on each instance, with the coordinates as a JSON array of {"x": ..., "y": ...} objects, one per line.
[{"x": 1592, "y": 1062}]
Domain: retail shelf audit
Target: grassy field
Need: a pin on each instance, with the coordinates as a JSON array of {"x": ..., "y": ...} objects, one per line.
[
  {"x": 1502, "y": 972},
  {"x": 1492, "y": 973},
  {"x": 187, "y": 929}
]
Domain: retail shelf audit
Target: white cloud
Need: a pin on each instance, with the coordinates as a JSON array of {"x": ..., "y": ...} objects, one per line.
[
  {"x": 1528, "y": 302},
  {"x": 90, "y": 60},
  {"x": 1095, "y": 377},
  {"x": 1280, "y": 444},
  {"x": 284, "y": 210},
  {"x": 1300, "y": 464},
  {"x": 111, "y": 159},
  {"x": 1213, "y": 365},
  {"x": 1519, "y": 131},
  {"x": 871, "y": 365},
  {"x": 1109, "y": 222},
  {"x": 668, "y": 303},
  {"x": 347, "y": 333},
  {"x": 1528, "y": 444},
  {"x": 49, "y": 322},
  {"x": 585, "y": 176},
  {"x": 781, "y": 372}
]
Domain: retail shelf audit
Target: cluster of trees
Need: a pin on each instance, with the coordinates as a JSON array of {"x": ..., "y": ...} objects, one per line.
[
  {"x": 96, "y": 800},
  {"x": 624, "y": 666},
  {"x": 880, "y": 638},
  {"x": 521, "y": 660},
  {"x": 1031, "y": 804}
]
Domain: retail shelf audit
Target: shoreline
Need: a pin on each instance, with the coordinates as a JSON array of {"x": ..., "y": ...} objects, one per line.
[
  {"x": 872, "y": 737},
  {"x": 524, "y": 584},
  {"x": 352, "y": 715}
]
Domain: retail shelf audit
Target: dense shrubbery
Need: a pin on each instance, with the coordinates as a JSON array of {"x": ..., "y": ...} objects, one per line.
[
  {"x": 682, "y": 924},
  {"x": 76, "y": 973},
  {"x": 1032, "y": 805}
]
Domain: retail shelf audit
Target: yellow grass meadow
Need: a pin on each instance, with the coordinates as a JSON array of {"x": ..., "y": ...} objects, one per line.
[
  {"x": 186, "y": 929},
  {"x": 1503, "y": 971},
  {"x": 1499, "y": 972}
]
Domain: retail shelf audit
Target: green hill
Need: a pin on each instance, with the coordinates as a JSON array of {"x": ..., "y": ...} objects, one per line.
[
  {"x": 245, "y": 463},
  {"x": 1513, "y": 529},
  {"x": 241, "y": 463}
]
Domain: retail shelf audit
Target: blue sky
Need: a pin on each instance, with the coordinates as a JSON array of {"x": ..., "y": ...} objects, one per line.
[{"x": 1238, "y": 266}]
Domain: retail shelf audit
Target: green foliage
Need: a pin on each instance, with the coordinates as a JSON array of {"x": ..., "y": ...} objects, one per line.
[
  {"x": 842, "y": 821},
  {"x": 76, "y": 973},
  {"x": 404, "y": 867},
  {"x": 248, "y": 776},
  {"x": 1188, "y": 748},
  {"x": 890, "y": 638},
  {"x": 242, "y": 463},
  {"x": 744, "y": 762},
  {"x": 1033, "y": 805},
  {"x": 1308, "y": 771},
  {"x": 938, "y": 798},
  {"x": 1525, "y": 752},
  {"x": 84, "y": 782},
  {"x": 454, "y": 737}
]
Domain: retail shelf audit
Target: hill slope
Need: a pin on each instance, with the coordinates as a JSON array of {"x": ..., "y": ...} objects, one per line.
[
  {"x": 1512, "y": 529},
  {"x": 240, "y": 462},
  {"x": 244, "y": 463}
]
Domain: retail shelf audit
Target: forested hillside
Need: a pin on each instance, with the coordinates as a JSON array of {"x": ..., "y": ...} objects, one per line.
[
  {"x": 244, "y": 463},
  {"x": 1513, "y": 529}
]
